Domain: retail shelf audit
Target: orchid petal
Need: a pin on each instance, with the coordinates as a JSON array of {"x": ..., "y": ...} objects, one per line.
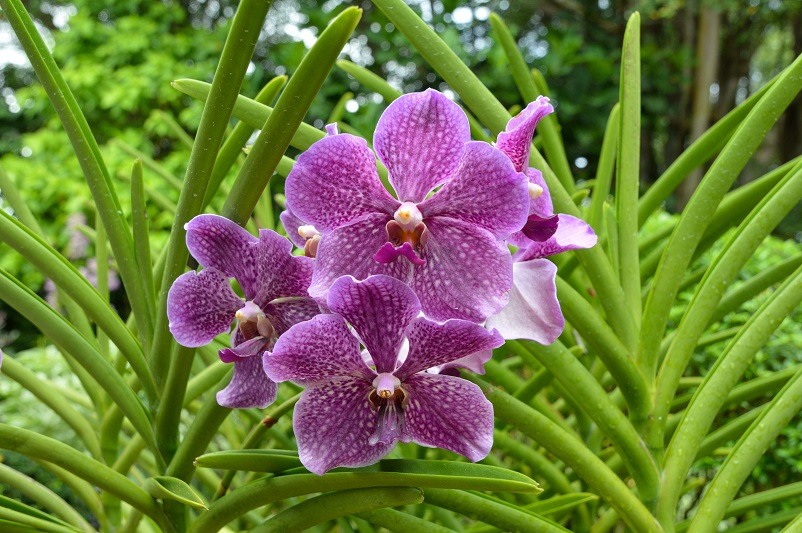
[
  {"x": 572, "y": 233},
  {"x": 419, "y": 138},
  {"x": 249, "y": 387},
  {"x": 474, "y": 362},
  {"x": 284, "y": 315},
  {"x": 291, "y": 224},
  {"x": 484, "y": 190},
  {"x": 515, "y": 142},
  {"x": 335, "y": 182},
  {"x": 332, "y": 423},
  {"x": 534, "y": 311},
  {"x": 315, "y": 351},
  {"x": 467, "y": 273},
  {"x": 540, "y": 207},
  {"x": 449, "y": 412},
  {"x": 380, "y": 309},
  {"x": 255, "y": 346},
  {"x": 349, "y": 250},
  {"x": 200, "y": 306},
  {"x": 279, "y": 273},
  {"x": 434, "y": 344},
  {"x": 219, "y": 243}
]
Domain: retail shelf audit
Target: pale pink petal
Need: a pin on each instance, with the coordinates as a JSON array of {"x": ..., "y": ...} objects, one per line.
[
  {"x": 533, "y": 311},
  {"x": 515, "y": 142}
]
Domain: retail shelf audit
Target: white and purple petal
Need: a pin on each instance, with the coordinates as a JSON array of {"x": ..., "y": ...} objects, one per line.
[
  {"x": 449, "y": 412},
  {"x": 335, "y": 182},
  {"x": 332, "y": 423},
  {"x": 434, "y": 344},
  {"x": 350, "y": 250},
  {"x": 533, "y": 311},
  {"x": 572, "y": 234},
  {"x": 380, "y": 309},
  {"x": 516, "y": 140},
  {"x": 474, "y": 362},
  {"x": 249, "y": 386},
  {"x": 419, "y": 138},
  {"x": 217, "y": 242},
  {"x": 316, "y": 351},
  {"x": 540, "y": 207},
  {"x": 485, "y": 190},
  {"x": 201, "y": 306},
  {"x": 467, "y": 275}
]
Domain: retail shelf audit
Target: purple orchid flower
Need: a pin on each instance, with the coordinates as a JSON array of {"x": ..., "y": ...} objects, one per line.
[
  {"x": 202, "y": 305},
  {"x": 447, "y": 247},
  {"x": 351, "y": 414},
  {"x": 533, "y": 311}
]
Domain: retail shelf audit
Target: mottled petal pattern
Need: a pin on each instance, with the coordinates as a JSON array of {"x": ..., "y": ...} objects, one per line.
[
  {"x": 219, "y": 243},
  {"x": 249, "y": 387},
  {"x": 485, "y": 191},
  {"x": 335, "y": 182},
  {"x": 349, "y": 250},
  {"x": 517, "y": 139},
  {"x": 419, "y": 138},
  {"x": 316, "y": 351},
  {"x": 467, "y": 275},
  {"x": 332, "y": 422},
  {"x": 572, "y": 233},
  {"x": 380, "y": 309},
  {"x": 284, "y": 315},
  {"x": 534, "y": 311},
  {"x": 201, "y": 306},
  {"x": 451, "y": 413},
  {"x": 434, "y": 344},
  {"x": 280, "y": 274}
]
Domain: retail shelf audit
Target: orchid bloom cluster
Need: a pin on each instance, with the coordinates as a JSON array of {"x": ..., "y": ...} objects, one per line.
[{"x": 423, "y": 280}]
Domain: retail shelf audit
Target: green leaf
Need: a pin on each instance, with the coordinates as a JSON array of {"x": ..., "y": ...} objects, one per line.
[
  {"x": 171, "y": 488},
  {"x": 562, "y": 503},
  {"x": 335, "y": 504},
  {"x": 371, "y": 81},
  {"x": 250, "y": 460},
  {"x": 292, "y": 106}
]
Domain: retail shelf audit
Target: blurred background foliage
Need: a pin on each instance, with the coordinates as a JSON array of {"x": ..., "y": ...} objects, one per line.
[{"x": 700, "y": 59}]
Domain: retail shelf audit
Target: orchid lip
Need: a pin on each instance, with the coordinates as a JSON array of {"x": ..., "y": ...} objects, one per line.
[{"x": 385, "y": 384}]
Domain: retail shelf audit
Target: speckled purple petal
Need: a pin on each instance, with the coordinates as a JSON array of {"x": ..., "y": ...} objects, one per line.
[
  {"x": 534, "y": 311},
  {"x": 419, "y": 138},
  {"x": 315, "y": 351},
  {"x": 540, "y": 206},
  {"x": 335, "y": 182},
  {"x": 280, "y": 274},
  {"x": 515, "y": 142},
  {"x": 449, "y": 412},
  {"x": 332, "y": 423},
  {"x": 572, "y": 233},
  {"x": 218, "y": 242},
  {"x": 255, "y": 346},
  {"x": 201, "y": 306},
  {"x": 249, "y": 387},
  {"x": 434, "y": 344},
  {"x": 349, "y": 250},
  {"x": 484, "y": 190},
  {"x": 284, "y": 315},
  {"x": 291, "y": 224},
  {"x": 467, "y": 274},
  {"x": 474, "y": 362},
  {"x": 380, "y": 309}
]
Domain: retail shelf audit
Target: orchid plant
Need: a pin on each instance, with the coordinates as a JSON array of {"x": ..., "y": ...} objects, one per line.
[{"x": 462, "y": 338}]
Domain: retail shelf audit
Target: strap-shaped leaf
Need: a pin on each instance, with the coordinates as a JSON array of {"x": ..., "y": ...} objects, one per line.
[{"x": 250, "y": 460}]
